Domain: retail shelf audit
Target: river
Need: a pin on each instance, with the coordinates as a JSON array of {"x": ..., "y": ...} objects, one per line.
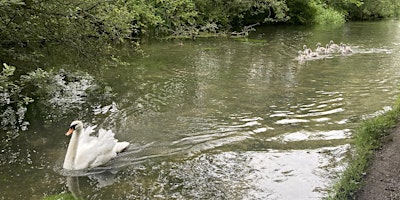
[{"x": 213, "y": 118}]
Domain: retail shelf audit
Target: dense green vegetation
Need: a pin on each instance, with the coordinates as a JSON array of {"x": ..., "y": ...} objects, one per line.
[{"x": 369, "y": 137}]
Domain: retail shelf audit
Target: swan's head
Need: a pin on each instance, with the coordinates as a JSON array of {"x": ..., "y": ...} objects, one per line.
[{"x": 75, "y": 125}]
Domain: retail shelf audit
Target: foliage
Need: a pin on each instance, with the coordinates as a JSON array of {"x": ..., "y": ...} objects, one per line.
[
  {"x": 337, "y": 11},
  {"x": 316, "y": 12},
  {"x": 374, "y": 9},
  {"x": 85, "y": 25},
  {"x": 13, "y": 102},
  {"x": 367, "y": 139},
  {"x": 178, "y": 17},
  {"x": 327, "y": 15},
  {"x": 189, "y": 17},
  {"x": 227, "y": 13},
  {"x": 301, "y": 12}
]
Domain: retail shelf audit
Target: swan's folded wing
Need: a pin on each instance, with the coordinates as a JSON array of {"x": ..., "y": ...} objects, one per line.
[
  {"x": 95, "y": 151},
  {"x": 108, "y": 137},
  {"x": 89, "y": 130},
  {"x": 120, "y": 146}
]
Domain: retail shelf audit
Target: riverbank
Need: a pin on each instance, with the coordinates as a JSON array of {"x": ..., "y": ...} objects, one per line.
[
  {"x": 373, "y": 170},
  {"x": 382, "y": 180}
]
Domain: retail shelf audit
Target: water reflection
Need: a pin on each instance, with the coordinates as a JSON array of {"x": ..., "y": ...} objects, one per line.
[
  {"x": 73, "y": 187},
  {"x": 296, "y": 174},
  {"x": 101, "y": 180},
  {"x": 99, "y": 177},
  {"x": 310, "y": 136}
]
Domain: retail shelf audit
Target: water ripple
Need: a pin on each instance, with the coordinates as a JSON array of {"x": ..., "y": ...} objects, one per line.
[{"x": 309, "y": 136}]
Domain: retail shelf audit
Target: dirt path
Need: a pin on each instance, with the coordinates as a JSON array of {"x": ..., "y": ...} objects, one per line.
[{"x": 383, "y": 177}]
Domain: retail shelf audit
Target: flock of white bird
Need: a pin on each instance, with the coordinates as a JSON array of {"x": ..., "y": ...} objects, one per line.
[{"x": 329, "y": 49}]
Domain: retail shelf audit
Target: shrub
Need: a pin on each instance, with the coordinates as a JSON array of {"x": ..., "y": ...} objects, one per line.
[{"x": 327, "y": 15}]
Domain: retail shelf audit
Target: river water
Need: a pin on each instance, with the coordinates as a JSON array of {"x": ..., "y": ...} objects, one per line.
[{"x": 215, "y": 118}]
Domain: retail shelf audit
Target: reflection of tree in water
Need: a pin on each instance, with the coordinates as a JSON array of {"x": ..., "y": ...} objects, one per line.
[
  {"x": 50, "y": 97},
  {"x": 74, "y": 94}
]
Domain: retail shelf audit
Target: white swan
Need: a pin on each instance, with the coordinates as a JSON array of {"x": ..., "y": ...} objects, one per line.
[{"x": 85, "y": 151}]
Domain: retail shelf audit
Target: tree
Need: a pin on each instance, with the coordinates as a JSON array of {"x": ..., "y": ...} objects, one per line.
[{"x": 374, "y": 9}]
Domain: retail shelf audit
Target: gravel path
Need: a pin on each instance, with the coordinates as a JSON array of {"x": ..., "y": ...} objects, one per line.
[{"x": 383, "y": 177}]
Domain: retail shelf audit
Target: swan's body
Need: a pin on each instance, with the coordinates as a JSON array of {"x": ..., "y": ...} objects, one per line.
[
  {"x": 306, "y": 51},
  {"x": 320, "y": 49},
  {"x": 301, "y": 57},
  {"x": 333, "y": 46},
  {"x": 344, "y": 49},
  {"x": 85, "y": 151}
]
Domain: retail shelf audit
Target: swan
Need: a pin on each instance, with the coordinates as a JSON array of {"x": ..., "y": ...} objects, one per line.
[
  {"x": 344, "y": 49},
  {"x": 301, "y": 57},
  {"x": 320, "y": 49},
  {"x": 306, "y": 50},
  {"x": 333, "y": 46},
  {"x": 328, "y": 49},
  {"x": 85, "y": 151}
]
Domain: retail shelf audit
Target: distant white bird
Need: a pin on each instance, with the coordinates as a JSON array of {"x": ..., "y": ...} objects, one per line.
[
  {"x": 301, "y": 57},
  {"x": 344, "y": 49},
  {"x": 306, "y": 50},
  {"x": 333, "y": 46},
  {"x": 85, "y": 151},
  {"x": 329, "y": 50},
  {"x": 320, "y": 49}
]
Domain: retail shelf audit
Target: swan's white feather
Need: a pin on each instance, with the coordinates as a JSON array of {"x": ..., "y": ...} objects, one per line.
[{"x": 92, "y": 151}]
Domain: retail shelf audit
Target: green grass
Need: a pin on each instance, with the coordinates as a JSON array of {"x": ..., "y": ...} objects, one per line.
[
  {"x": 327, "y": 15},
  {"x": 368, "y": 138},
  {"x": 60, "y": 197}
]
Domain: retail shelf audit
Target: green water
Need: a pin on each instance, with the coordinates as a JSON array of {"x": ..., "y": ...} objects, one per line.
[{"x": 215, "y": 118}]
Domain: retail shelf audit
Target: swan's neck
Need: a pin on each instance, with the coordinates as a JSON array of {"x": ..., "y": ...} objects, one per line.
[{"x": 72, "y": 150}]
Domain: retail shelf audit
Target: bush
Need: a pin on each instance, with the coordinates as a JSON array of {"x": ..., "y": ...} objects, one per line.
[
  {"x": 327, "y": 15},
  {"x": 13, "y": 102}
]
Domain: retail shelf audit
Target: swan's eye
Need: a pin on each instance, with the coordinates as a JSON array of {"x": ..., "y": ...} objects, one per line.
[{"x": 73, "y": 126}]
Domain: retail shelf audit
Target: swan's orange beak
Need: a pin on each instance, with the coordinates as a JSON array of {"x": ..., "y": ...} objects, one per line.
[{"x": 70, "y": 130}]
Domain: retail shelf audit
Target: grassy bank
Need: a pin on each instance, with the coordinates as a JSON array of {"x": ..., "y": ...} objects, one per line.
[{"x": 368, "y": 138}]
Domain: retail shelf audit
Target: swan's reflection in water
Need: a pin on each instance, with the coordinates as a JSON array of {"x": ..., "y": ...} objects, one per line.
[
  {"x": 104, "y": 175},
  {"x": 73, "y": 187},
  {"x": 103, "y": 179}
]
